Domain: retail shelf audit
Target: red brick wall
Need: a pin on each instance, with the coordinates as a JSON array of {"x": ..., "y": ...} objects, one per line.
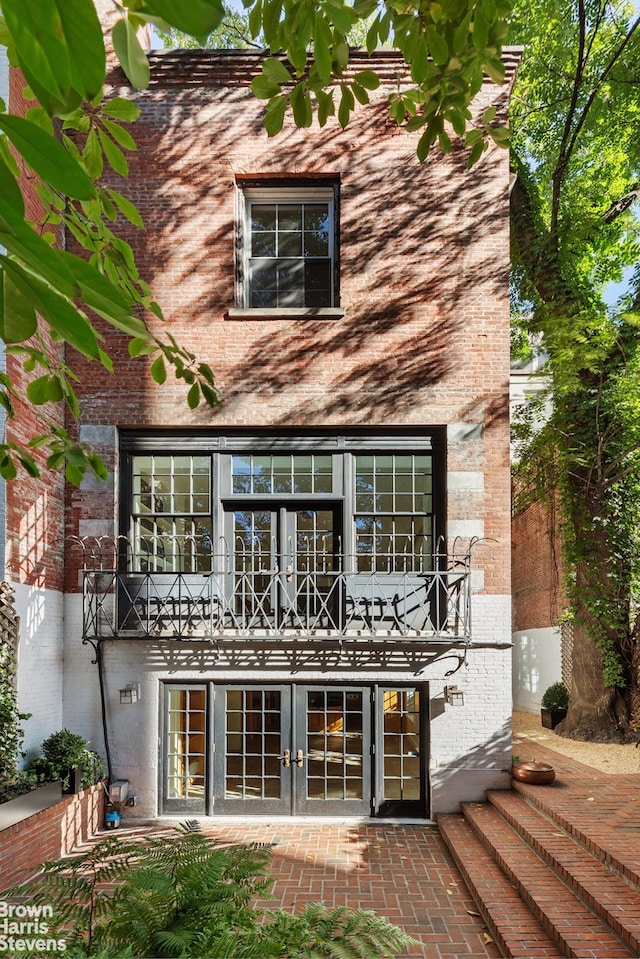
[
  {"x": 49, "y": 834},
  {"x": 537, "y": 567},
  {"x": 35, "y": 509},
  {"x": 424, "y": 262}
]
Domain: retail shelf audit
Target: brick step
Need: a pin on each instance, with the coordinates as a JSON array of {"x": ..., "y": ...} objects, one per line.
[
  {"x": 609, "y": 844},
  {"x": 518, "y": 934},
  {"x": 609, "y": 896},
  {"x": 577, "y": 930}
]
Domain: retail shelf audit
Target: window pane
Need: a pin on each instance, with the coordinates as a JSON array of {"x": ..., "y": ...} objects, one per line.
[
  {"x": 263, "y": 216},
  {"x": 294, "y": 240},
  {"x": 263, "y": 244},
  {"x": 290, "y": 217},
  {"x": 317, "y": 281}
]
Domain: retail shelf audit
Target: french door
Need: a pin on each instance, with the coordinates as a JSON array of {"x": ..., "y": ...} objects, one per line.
[
  {"x": 292, "y": 750},
  {"x": 285, "y": 561},
  {"x": 287, "y": 749}
]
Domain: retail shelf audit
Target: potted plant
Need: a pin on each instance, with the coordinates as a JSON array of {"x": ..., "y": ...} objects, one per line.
[
  {"x": 66, "y": 756},
  {"x": 554, "y": 705}
]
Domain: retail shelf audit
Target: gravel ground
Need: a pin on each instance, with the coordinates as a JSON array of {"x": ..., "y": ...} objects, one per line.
[{"x": 607, "y": 757}]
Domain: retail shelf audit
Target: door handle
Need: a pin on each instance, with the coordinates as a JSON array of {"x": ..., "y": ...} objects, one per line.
[
  {"x": 286, "y": 757},
  {"x": 299, "y": 758}
]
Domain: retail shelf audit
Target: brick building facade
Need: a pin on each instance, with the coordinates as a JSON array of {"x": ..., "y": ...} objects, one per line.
[{"x": 287, "y": 585}]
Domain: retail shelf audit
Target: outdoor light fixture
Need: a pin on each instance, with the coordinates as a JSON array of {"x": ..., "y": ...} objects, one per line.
[
  {"x": 453, "y": 696},
  {"x": 130, "y": 693}
]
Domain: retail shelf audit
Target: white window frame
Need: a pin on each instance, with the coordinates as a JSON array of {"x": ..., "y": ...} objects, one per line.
[{"x": 282, "y": 194}]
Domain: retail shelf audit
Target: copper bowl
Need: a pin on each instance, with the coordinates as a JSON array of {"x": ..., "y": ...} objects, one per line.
[{"x": 537, "y": 774}]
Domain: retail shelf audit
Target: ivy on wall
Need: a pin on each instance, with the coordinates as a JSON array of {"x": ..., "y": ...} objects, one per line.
[{"x": 10, "y": 732}]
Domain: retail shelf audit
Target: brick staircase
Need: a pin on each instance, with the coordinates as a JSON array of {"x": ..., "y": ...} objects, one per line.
[{"x": 544, "y": 886}]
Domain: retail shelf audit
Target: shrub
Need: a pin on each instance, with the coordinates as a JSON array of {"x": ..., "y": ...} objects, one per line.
[
  {"x": 63, "y": 752},
  {"x": 555, "y": 697},
  {"x": 189, "y": 896}
]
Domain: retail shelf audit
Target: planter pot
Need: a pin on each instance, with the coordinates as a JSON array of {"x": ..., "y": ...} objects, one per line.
[
  {"x": 537, "y": 774},
  {"x": 551, "y": 717},
  {"x": 15, "y": 810}
]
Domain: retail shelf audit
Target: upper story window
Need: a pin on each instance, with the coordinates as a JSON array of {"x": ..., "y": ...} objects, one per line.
[{"x": 287, "y": 250}]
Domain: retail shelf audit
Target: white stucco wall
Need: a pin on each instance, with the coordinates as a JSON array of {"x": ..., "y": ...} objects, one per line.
[
  {"x": 40, "y": 663},
  {"x": 537, "y": 663},
  {"x": 470, "y": 746}
]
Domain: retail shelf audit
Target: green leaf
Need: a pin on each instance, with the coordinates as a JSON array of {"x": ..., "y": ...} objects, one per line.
[
  {"x": 121, "y": 109},
  {"x": 193, "y": 397},
  {"x": 141, "y": 346},
  {"x": 44, "y": 389},
  {"x": 438, "y": 46},
  {"x": 197, "y": 17},
  {"x": 368, "y": 79},
  {"x": 63, "y": 318},
  {"x": 347, "y": 104},
  {"x": 461, "y": 36},
  {"x": 99, "y": 293},
  {"x": 92, "y": 155},
  {"x": 264, "y": 89},
  {"x": 9, "y": 189},
  {"x": 301, "y": 106},
  {"x": 326, "y": 106},
  {"x": 275, "y": 71},
  {"x": 159, "y": 370},
  {"x": 274, "y": 116},
  {"x": 85, "y": 44},
  {"x": 48, "y": 158},
  {"x": 127, "y": 208},
  {"x": 18, "y": 319},
  {"x": 322, "y": 48},
  {"x": 130, "y": 54},
  {"x": 120, "y": 135},
  {"x": 114, "y": 155},
  {"x": 480, "y": 31}
]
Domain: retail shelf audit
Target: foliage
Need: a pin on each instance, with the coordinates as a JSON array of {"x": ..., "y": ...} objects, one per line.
[
  {"x": 64, "y": 751},
  {"x": 188, "y": 896},
  {"x": 11, "y": 734},
  {"x": 555, "y": 696},
  {"x": 577, "y": 157}
]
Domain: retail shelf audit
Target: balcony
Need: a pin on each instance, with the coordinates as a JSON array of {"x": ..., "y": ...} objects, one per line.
[{"x": 240, "y": 599}]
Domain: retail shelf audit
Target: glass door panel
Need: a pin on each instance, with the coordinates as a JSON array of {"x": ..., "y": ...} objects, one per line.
[
  {"x": 186, "y": 749},
  {"x": 252, "y": 768},
  {"x": 333, "y": 773},
  {"x": 402, "y": 772}
]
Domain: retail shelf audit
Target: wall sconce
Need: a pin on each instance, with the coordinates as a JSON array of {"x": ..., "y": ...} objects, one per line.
[
  {"x": 453, "y": 696},
  {"x": 130, "y": 693}
]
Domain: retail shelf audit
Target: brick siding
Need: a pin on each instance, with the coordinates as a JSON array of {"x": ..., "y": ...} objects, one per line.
[{"x": 49, "y": 834}]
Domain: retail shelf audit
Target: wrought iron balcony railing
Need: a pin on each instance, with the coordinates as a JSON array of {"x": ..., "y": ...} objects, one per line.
[{"x": 241, "y": 599}]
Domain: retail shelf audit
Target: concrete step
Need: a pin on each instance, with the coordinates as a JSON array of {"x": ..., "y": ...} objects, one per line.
[
  {"x": 571, "y": 923},
  {"x": 512, "y": 925},
  {"x": 606, "y": 894}
]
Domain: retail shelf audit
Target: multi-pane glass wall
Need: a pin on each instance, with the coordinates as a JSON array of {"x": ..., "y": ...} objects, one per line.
[
  {"x": 171, "y": 513},
  {"x": 270, "y": 474},
  {"x": 382, "y": 506},
  {"x": 393, "y": 512}
]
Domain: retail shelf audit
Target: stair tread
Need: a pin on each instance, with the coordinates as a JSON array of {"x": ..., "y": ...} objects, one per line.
[
  {"x": 592, "y": 827},
  {"x": 583, "y": 933},
  {"x": 604, "y": 891},
  {"x": 514, "y": 927}
]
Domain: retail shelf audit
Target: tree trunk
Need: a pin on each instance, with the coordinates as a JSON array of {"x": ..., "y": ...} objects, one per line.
[{"x": 599, "y": 710}]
